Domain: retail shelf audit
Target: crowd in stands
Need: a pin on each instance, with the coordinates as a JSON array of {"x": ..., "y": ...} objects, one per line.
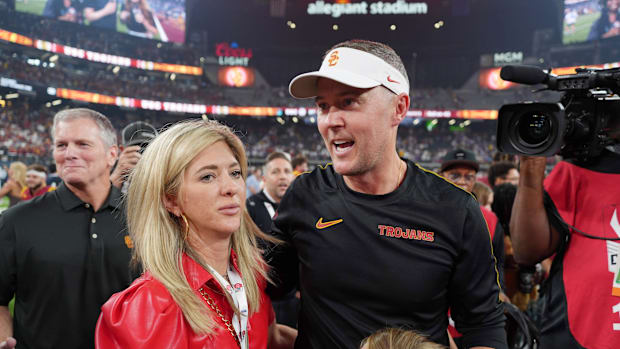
[
  {"x": 24, "y": 134},
  {"x": 99, "y": 78}
]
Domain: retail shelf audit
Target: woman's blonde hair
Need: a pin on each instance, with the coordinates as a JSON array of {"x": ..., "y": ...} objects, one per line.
[
  {"x": 397, "y": 338},
  {"x": 483, "y": 193},
  {"x": 18, "y": 170},
  {"x": 158, "y": 235}
]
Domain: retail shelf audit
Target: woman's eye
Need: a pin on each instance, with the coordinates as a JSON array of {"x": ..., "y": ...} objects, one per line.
[{"x": 236, "y": 174}]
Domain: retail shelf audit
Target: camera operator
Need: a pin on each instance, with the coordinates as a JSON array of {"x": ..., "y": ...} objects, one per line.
[
  {"x": 582, "y": 308},
  {"x": 135, "y": 137}
]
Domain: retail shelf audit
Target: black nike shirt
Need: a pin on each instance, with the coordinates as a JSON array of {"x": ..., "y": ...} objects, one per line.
[{"x": 366, "y": 262}]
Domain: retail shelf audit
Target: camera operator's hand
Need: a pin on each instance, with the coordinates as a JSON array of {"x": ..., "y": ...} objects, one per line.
[
  {"x": 532, "y": 171},
  {"x": 9, "y": 343},
  {"x": 126, "y": 162},
  {"x": 533, "y": 238}
]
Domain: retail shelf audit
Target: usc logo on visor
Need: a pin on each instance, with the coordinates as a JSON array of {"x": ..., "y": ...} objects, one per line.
[{"x": 333, "y": 58}]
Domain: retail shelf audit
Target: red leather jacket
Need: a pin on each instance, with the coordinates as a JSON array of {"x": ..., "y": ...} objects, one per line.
[{"x": 145, "y": 316}]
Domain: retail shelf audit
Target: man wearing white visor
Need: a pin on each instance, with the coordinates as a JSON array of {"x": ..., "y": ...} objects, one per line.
[
  {"x": 374, "y": 240},
  {"x": 36, "y": 182}
]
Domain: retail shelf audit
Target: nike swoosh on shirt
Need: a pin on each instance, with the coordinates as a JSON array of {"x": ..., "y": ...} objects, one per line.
[{"x": 322, "y": 225}]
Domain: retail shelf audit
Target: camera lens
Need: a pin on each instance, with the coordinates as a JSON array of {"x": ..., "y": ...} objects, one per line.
[{"x": 534, "y": 129}]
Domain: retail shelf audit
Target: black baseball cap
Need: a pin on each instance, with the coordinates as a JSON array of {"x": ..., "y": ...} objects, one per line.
[
  {"x": 459, "y": 157},
  {"x": 138, "y": 133}
]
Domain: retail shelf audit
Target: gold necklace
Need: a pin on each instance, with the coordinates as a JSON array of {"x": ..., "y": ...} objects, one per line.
[
  {"x": 217, "y": 311},
  {"x": 400, "y": 168}
]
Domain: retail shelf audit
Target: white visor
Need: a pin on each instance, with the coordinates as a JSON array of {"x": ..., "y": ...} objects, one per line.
[
  {"x": 36, "y": 173},
  {"x": 353, "y": 68}
]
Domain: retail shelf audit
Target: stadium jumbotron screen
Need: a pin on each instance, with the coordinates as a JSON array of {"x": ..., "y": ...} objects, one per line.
[
  {"x": 162, "y": 20},
  {"x": 586, "y": 20}
]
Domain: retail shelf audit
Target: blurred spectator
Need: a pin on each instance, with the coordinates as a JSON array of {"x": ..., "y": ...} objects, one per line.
[
  {"x": 300, "y": 164},
  {"x": 52, "y": 177},
  {"x": 253, "y": 182},
  {"x": 503, "y": 172},
  {"x": 16, "y": 184},
  {"x": 36, "y": 177},
  {"x": 262, "y": 207},
  {"x": 484, "y": 194}
]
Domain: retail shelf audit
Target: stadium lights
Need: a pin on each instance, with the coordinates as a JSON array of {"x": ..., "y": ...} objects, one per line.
[
  {"x": 173, "y": 76},
  {"x": 2, "y": 103},
  {"x": 335, "y": 27},
  {"x": 467, "y": 122},
  {"x": 54, "y": 58},
  {"x": 116, "y": 69},
  {"x": 312, "y": 119},
  {"x": 280, "y": 120},
  {"x": 205, "y": 117},
  {"x": 159, "y": 45},
  {"x": 439, "y": 24},
  {"x": 295, "y": 119},
  {"x": 12, "y": 96},
  {"x": 416, "y": 121},
  {"x": 48, "y": 104},
  {"x": 452, "y": 122},
  {"x": 57, "y": 102},
  {"x": 393, "y": 27}
]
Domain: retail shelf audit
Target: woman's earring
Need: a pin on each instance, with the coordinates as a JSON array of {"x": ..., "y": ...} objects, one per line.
[{"x": 186, "y": 232}]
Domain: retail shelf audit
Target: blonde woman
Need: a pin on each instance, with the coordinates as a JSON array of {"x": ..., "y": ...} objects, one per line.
[
  {"x": 396, "y": 338},
  {"x": 204, "y": 277},
  {"x": 484, "y": 194},
  {"x": 16, "y": 184}
]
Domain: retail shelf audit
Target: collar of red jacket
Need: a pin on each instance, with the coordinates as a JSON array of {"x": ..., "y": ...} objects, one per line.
[{"x": 197, "y": 276}]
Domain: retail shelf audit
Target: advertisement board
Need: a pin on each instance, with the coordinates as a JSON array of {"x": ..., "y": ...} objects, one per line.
[
  {"x": 236, "y": 76},
  {"x": 586, "y": 20},
  {"x": 162, "y": 20}
]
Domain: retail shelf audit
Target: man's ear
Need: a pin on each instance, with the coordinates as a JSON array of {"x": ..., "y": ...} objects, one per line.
[
  {"x": 401, "y": 108},
  {"x": 112, "y": 155},
  {"x": 171, "y": 205}
]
